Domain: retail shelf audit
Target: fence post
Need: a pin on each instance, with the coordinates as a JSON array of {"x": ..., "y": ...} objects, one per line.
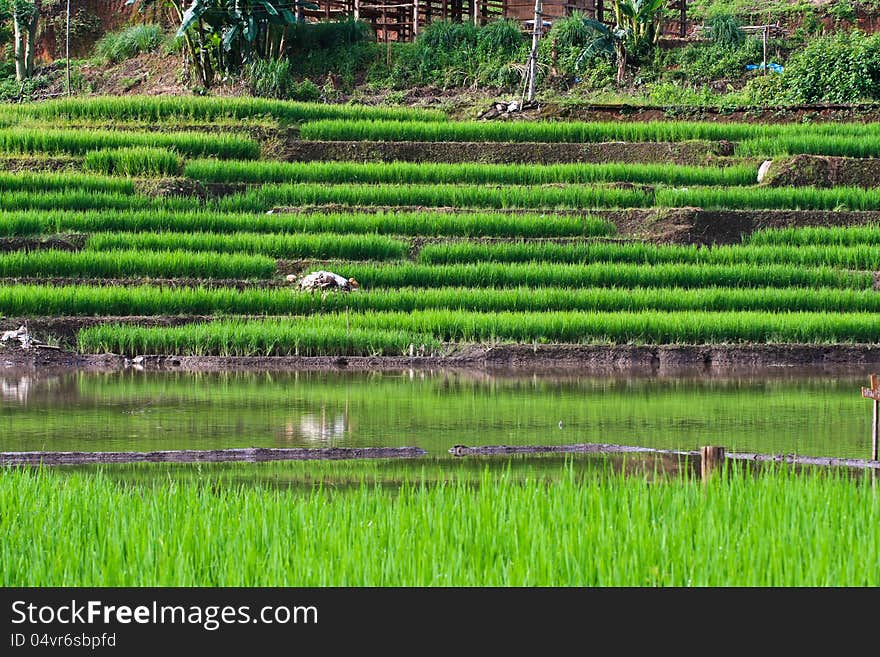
[
  {"x": 873, "y": 393},
  {"x": 711, "y": 459}
]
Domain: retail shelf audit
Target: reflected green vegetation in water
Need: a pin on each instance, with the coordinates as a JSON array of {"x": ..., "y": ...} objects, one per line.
[
  {"x": 817, "y": 416},
  {"x": 499, "y": 528}
]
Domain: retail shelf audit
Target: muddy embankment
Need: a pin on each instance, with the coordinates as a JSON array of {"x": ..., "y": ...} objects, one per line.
[
  {"x": 688, "y": 152},
  {"x": 829, "y": 113},
  {"x": 823, "y": 171},
  {"x": 678, "y": 360}
]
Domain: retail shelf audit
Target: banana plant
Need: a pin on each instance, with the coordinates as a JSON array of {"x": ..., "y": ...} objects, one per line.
[
  {"x": 641, "y": 21},
  {"x": 636, "y": 31},
  {"x": 228, "y": 33}
]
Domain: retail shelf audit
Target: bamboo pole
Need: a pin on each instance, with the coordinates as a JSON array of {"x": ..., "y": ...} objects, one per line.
[
  {"x": 875, "y": 423},
  {"x": 533, "y": 56},
  {"x": 415, "y": 28}
]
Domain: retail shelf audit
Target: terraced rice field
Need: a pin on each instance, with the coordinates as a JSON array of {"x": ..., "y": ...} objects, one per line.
[
  {"x": 123, "y": 210},
  {"x": 183, "y": 227}
]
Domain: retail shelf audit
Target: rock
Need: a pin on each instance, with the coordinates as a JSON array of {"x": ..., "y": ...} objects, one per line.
[
  {"x": 327, "y": 280},
  {"x": 21, "y": 334},
  {"x": 513, "y": 106}
]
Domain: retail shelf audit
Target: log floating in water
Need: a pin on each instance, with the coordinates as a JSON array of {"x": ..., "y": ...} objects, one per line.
[
  {"x": 248, "y": 454},
  {"x": 607, "y": 448},
  {"x": 587, "y": 448}
]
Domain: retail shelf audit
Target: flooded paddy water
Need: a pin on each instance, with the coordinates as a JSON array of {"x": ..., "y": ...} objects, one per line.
[{"x": 771, "y": 413}]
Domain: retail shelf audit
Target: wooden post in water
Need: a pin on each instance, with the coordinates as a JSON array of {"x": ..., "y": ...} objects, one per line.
[
  {"x": 711, "y": 459},
  {"x": 873, "y": 393}
]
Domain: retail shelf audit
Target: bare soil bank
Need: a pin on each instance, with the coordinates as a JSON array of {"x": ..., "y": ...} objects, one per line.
[
  {"x": 688, "y": 152},
  {"x": 661, "y": 225},
  {"x": 583, "y": 359},
  {"x": 824, "y": 171},
  {"x": 865, "y": 112}
]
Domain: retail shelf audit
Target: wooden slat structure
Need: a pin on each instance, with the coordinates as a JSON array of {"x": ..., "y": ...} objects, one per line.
[{"x": 402, "y": 20}]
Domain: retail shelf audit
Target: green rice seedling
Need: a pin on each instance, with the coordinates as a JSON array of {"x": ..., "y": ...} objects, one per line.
[
  {"x": 652, "y": 327},
  {"x": 583, "y": 131},
  {"x": 123, "y": 263},
  {"x": 76, "y": 199},
  {"x": 428, "y": 224},
  {"x": 193, "y": 144},
  {"x": 852, "y": 257},
  {"x": 623, "y": 275},
  {"x": 392, "y": 223},
  {"x": 318, "y": 246},
  {"x": 272, "y": 337},
  {"x": 786, "y": 198},
  {"x": 61, "y": 182},
  {"x": 21, "y": 300},
  {"x": 17, "y": 224},
  {"x": 460, "y": 196},
  {"x": 867, "y": 145},
  {"x": 817, "y": 235},
  {"x": 433, "y": 173},
  {"x": 241, "y": 338},
  {"x": 793, "y": 528},
  {"x": 163, "y": 108},
  {"x": 134, "y": 161}
]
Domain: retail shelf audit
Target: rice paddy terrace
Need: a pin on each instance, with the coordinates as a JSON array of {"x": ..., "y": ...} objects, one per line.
[
  {"x": 172, "y": 233},
  {"x": 181, "y": 226}
]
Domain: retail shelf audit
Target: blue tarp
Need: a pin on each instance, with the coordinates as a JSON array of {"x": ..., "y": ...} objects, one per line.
[{"x": 776, "y": 68}]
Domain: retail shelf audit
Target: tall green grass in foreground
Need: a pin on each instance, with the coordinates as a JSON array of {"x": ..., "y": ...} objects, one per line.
[
  {"x": 282, "y": 336},
  {"x": 157, "y": 108},
  {"x": 435, "y": 172},
  {"x": 124, "y": 263},
  {"x": 813, "y": 528},
  {"x": 192, "y": 144},
  {"x": 133, "y": 161},
  {"x": 427, "y": 224},
  {"x": 19, "y": 300}
]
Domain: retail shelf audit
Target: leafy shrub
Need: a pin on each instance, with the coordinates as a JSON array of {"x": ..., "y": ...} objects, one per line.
[
  {"x": 705, "y": 62},
  {"x": 340, "y": 49},
  {"x": 451, "y": 54},
  {"x": 125, "y": 44},
  {"x": 305, "y": 37},
  {"x": 725, "y": 28},
  {"x": 270, "y": 78},
  {"x": 579, "y": 51},
  {"x": 840, "y": 68}
]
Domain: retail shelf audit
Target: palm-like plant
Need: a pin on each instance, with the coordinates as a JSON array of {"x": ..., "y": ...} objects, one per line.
[
  {"x": 635, "y": 32},
  {"x": 225, "y": 32}
]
